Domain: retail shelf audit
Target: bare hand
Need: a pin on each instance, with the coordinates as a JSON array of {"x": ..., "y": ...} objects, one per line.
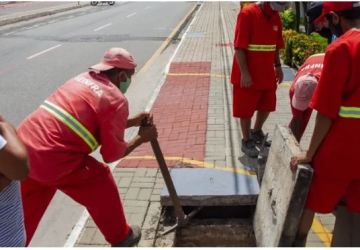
[
  {"x": 148, "y": 133},
  {"x": 299, "y": 159},
  {"x": 143, "y": 118},
  {"x": 4, "y": 182},
  {"x": 279, "y": 75},
  {"x": 246, "y": 80}
]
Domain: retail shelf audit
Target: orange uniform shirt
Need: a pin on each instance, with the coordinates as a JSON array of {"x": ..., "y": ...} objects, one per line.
[
  {"x": 339, "y": 86},
  {"x": 54, "y": 149},
  {"x": 253, "y": 27}
]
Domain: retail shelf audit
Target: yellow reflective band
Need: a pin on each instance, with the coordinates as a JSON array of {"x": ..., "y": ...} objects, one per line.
[
  {"x": 72, "y": 123},
  {"x": 261, "y": 47},
  {"x": 349, "y": 112}
]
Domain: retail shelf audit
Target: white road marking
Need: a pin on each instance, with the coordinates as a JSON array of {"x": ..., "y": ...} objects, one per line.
[
  {"x": 130, "y": 15},
  {"x": 43, "y": 52},
  {"x": 12, "y": 32},
  {"x": 103, "y": 27}
]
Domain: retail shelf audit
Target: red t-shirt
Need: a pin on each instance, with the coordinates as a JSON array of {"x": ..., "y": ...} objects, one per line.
[
  {"x": 54, "y": 149},
  {"x": 254, "y": 28},
  {"x": 339, "y": 85},
  {"x": 313, "y": 65}
]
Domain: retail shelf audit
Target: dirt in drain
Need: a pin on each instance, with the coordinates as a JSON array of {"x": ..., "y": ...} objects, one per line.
[{"x": 229, "y": 226}]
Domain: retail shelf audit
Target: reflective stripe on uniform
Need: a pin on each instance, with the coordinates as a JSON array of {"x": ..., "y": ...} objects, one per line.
[
  {"x": 72, "y": 123},
  {"x": 261, "y": 47},
  {"x": 349, "y": 112}
]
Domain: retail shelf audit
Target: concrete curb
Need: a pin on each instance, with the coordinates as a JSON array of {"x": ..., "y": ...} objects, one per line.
[
  {"x": 25, "y": 17},
  {"x": 170, "y": 38}
]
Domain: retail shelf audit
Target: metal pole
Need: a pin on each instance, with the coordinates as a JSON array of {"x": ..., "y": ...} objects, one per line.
[{"x": 181, "y": 217}]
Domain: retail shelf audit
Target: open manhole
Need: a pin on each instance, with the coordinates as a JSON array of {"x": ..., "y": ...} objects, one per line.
[
  {"x": 235, "y": 211},
  {"x": 229, "y": 226}
]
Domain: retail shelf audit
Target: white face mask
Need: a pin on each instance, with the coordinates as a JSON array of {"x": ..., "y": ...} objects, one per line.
[{"x": 278, "y": 6}]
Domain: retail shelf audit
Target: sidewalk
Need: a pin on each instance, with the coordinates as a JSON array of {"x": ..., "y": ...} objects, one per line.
[
  {"x": 193, "y": 112},
  {"x": 39, "y": 10}
]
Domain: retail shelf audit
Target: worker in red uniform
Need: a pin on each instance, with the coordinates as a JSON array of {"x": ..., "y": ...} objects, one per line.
[
  {"x": 301, "y": 92},
  {"x": 86, "y": 112},
  {"x": 256, "y": 69},
  {"x": 335, "y": 140}
]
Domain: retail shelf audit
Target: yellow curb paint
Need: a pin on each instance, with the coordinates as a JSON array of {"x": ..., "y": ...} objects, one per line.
[
  {"x": 198, "y": 74},
  {"x": 195, "y": 163},
  {"x": 322, "y": 232}
]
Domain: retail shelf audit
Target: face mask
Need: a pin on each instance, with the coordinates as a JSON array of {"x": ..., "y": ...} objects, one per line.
[
  {"x": 124, "y": 85},
  {"x": 335, "y": 28},
  {"x": 278, "y": 6}
]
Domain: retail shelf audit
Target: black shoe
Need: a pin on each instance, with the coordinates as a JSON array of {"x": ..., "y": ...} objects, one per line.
[
  {"x": 249, "y": 149},
  {"x": 259, "y": 138},
  {"x": 132, "y": 239}
]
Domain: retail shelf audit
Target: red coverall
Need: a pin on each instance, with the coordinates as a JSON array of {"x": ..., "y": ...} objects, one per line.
[{"x": 59, "y": 158}]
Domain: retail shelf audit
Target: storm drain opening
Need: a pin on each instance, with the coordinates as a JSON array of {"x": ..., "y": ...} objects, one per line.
[{"x": 214, "y": 226}]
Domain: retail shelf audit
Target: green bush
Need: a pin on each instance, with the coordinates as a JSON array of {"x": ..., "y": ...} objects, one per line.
[
  {"x": 321, "y": 40},
  {"x": 299, "y": 46},
  {"x": 288, "y": 19}
]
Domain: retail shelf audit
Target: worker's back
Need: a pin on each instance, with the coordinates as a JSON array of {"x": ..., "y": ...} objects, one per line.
[{"x": 56, "y": 147}]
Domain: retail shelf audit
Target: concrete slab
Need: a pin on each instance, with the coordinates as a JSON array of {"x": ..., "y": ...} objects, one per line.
[
  {"x": 212, "y": 187},
  {"x": 283, "y": 193}
]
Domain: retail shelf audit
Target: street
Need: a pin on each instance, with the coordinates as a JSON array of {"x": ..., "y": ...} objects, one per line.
[
  {"x": 35, "y": 59},
  {"x": 38, "y": 56}
]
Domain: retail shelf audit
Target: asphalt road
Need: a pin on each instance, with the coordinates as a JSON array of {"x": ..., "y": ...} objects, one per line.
[
  {"x": 38, "y": 56},
  {"x": 36, "y": 59}
]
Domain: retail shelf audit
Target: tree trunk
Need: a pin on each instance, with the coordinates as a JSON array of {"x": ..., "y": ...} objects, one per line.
[{"x": 297, "y": 16}]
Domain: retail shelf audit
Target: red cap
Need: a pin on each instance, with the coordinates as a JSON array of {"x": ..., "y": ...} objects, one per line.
[
  {"x": 336, "y": 6},
  {"x": 115, "y": 58}
]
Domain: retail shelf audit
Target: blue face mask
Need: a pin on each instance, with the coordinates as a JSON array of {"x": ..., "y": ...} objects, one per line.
[{"x": 124, "y": 85}]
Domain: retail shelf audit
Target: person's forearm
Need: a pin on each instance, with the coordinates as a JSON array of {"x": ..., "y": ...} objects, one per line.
[
  {"x": 277, "y": 58},
  {"x": 296, "y": 128},
  {"x": 130, "y": 122},
  {"x": 322, "y": 126},
  {"x": 13, "y": 157},
  {"x": 134, "y": 143},
  {"x": 241, "y": 59}
]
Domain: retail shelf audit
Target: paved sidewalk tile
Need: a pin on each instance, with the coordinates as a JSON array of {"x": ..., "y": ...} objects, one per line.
[{"x": 193, "y": 113}]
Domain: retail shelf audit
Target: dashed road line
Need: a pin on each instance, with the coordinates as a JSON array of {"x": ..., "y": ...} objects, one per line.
[
  {"x": 43, "y": 52},
  {"x": 9, "y": 33},
  {"x": 130, "y": 15},
  {"x": 103, "y": 27}
]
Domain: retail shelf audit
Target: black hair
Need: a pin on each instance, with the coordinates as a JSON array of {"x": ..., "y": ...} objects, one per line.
[{"x": 350, "y": 14}]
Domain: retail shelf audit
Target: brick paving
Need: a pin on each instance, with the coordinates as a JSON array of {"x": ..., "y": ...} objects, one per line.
[
  {"x": 180, "y": 112},
  {"x": 193, "y": 115}
]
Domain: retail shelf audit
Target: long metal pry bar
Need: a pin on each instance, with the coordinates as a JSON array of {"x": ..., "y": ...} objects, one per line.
[{"x": 182, "y": 218}]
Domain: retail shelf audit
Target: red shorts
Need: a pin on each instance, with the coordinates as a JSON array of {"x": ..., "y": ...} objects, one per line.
[
  {"x": 247, "y": 101},
  {"x": 298, "y": 114},
  {"x": 325, "y": 194}
]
